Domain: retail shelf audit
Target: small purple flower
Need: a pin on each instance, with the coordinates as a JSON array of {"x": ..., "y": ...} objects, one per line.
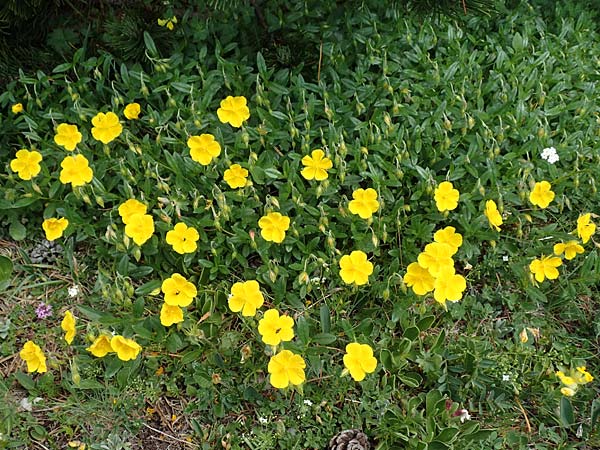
[{"x": 43, "y": 311}]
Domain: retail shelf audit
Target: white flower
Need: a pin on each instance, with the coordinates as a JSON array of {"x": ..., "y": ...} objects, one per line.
[
  {"x": 505, "y": 258},
  {"x": 505, "y": 377},
  {"x": 464, "y": 415},
  {"x": 73, "y": 291},
  {"x": 263, "y": 420},
  {"x": 308, "y": 402},
  {"x": 550, "y": 155}
]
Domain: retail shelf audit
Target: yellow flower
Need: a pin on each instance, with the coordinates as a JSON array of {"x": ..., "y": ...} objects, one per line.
[
  {"x": 169, "y": 23},
  {"x": 203, "y": 148},
  {"x": 170, "y": 314},
  {"x": 446, "y": 197},
  {"x": 436, "y": 257},
  {"x": 493, "y": 215},
  {"x": 140, "y": 228},
  {"x": 127, "y": 349},
  {"x": 68, "y": 326},
  {"x": 34, "y": 357},
  {"x": 183, "y": 238},
  {"x": 75, "y": 170},
  {"x": 317, "y": 166},
  {"x": 567, "y": 392},
  {"x": 448, "y": 286},
  {"x": 286, "y": 368},
  {"x": 449, "y": 236},
  {"x": 101, "y": 346},
  {"x": 178, "y": 291},
  {"x": 233, "y": 111},
  {"x": 235, "y": 176},
  {"x": 54, "y": 227},
  {"x": 246, "y": 297},
  {"x": 585, "y": 227},
  {"x": 359, "y": 360},
  {"x": 419, "y": 279},
  {"x": 106, "y": 127},
  {"x": 273, "y": 227},
  {"x": 583, "y": 376},
  {"x": 542, "y": 194},
  {"x": 571, "y": 249},
  {"x": 546, "y": 267},
  {"x": 26, "y": 164},
  {"x": 67, "y": 136},
  {"x": 131, "y": 207},
  {"x": 132, "y": 111},
  {"x": 365, "y": 202},
  {"x": 573, "y": 379},
  {"x": 274, "y": 328},
  {"x": 16, "y": 108},
  {"x": 354, "y": 268}
]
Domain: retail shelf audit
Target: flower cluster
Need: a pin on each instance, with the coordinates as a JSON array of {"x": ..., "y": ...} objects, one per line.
[
  {"x": 573, "y": 379},
  {"x": 550, "y": 155},
  {"x": 126, "y": 349},
  {"x": 178, "y": 292},
  {"x": 434, "y": 269},
  {"x": 547, "y": 266},
  {"x": 285, "y": 367}
]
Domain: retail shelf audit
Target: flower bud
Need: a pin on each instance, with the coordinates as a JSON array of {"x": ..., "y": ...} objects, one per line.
[
  {"x": 386, "y": 294},
  {"x": 246, "y": 352},
  {"x": 303, "y": 278}
]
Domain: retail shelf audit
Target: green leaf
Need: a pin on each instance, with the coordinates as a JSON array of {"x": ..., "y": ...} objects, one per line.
[
  {"x": 566, "y": 412},
  {"x": 595, "y": 413},
  {"x": 262, "y": 66},
  {"x": 64, "y": 67},
  {"x": 149, "y": 42},
  {"x": 325, "y": 318},
  {"x": 89, "y": 384},
  {"x": 448, "y": 435},
  {"x": 425, "y": 323},
  {"x": 174, "y": 343},
  {"x": 324, "y": 338},
  {"x": 25, "y": 380},
  {"x": 148, "y": 287},
  {"x": 113, "y": 364},
  {"x": 6, "y": 268},
  {"x": 142, "y": 331},
  {"x": 411, "y": 333},
  {"x": 193, "y": 355},
  {"x": 437, "y": 445},
  {"x": 302, "y": 329},
  {"x": 17, "y": 231},
  {"x": 411, "y": 379}
]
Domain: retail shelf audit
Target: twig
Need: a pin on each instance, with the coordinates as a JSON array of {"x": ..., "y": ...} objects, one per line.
[
  {"x": 524, "y": 415},
  {"x": 169, "y": 436},
  {"x": 464, "y": 6}
]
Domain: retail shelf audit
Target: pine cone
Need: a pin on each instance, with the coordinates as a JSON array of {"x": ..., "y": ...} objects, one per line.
[{"x": 349, "y": 440}]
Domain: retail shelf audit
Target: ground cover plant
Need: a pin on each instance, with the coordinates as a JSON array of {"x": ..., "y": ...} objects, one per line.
[{"x": 381, "y": 222}]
